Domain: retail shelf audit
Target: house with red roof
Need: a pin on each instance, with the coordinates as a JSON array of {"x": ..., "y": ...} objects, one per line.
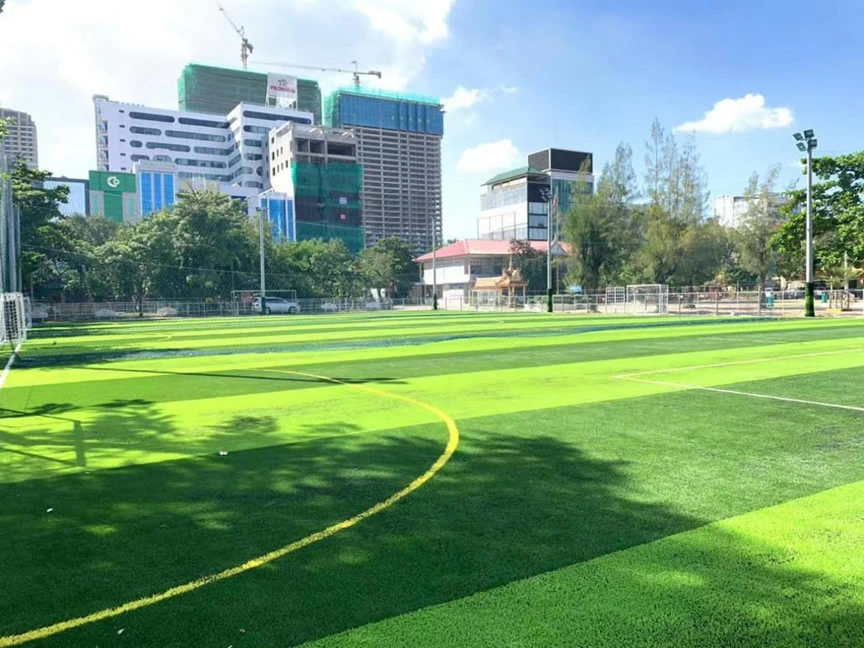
[{"x": 459, "y": 265}]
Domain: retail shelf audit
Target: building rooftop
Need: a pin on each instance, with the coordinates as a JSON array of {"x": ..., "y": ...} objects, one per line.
[
  {"x": 513, "y": 174},
  {"x": 387, "y": 94},
  {"x": 479, "y": 247}
]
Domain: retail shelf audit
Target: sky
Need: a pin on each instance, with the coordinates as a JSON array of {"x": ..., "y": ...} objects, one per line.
[{"x": 515, "y": 76}]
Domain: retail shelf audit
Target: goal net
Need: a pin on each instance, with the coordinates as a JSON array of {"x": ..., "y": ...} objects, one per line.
[
  {"x": 647, "y": 299},
  {"x": 616, "y": 299},
  {"x": 13, "y": 316}
]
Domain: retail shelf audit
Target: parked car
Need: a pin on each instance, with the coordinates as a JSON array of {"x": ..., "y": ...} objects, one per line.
[{"x": 276, "y": 305}]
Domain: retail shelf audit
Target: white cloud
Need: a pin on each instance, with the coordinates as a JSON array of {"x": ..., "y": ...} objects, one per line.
[
  {"x": 491, "y": 156},
  {"x": 739, "y": 115},
  {"x": 97, "y": 47},
  {"x": 508, "y": 89},
  {"x": 463, "y": 98}
]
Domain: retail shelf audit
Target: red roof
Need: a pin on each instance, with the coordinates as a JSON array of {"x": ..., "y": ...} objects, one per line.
[{"x": 480, "y": 247}]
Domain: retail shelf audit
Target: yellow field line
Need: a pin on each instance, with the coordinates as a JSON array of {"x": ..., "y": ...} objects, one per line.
[{"x": 452, "y": 444}]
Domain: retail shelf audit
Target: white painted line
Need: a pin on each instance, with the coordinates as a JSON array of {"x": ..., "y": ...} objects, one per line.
[
  {"x": 742, "y": 393},
  {"x": 8, "y": 366},
  {"x": 739, "y": 362}
]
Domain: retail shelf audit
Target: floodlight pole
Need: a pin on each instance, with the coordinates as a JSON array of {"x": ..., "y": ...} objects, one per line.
[
  {"x": 261, "y": 259},
  {"x": 550, "y": 219},
  {"x": 434, "y": 267},
  {"x": 809, "y": 285}
]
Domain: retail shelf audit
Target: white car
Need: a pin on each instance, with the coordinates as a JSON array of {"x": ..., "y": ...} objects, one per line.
[{"x": 276, "y": 305}]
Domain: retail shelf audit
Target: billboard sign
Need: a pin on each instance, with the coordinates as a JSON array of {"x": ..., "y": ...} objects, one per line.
[{"x": 281, "y": 89}]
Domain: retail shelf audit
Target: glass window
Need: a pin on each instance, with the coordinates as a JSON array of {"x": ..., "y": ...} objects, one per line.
[
  {"x": 251, "y": 142},
  {"x": 196, "y": 136},
  {"x": 161, "y": 158},
  {"x": 255, "y": 185},
  {"x": 188, "y": 121},
  {"x": 146, "y": 193},
  {"x": 168, "y": 189},
  {"x": 234, "y": 161},
  {"x": 538, "y": 208},
  {"x": 537, "y": 220},
  {"x": 135, "y": 144},
  {"x": 476, "y": 269},
  {"x": 536, "y": 234},
  {"x": 168, "y": 147},
  {"x": 151, "y": 117},
  {"x": 260, "y": 130},
  {"x": 158, "y": 203},
  {"x": 209, "y": 150},
  {"x": 252, "y": 157},
  {"x": 269, "y": 117},
  {"x": 144, "y": 131},
  {"x": 201, "y": 163}
]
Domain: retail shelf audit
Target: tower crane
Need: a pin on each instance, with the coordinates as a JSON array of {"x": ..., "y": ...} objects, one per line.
[
  {"x": 355, "y": 72},
  {"x": 246, "y": 48}
]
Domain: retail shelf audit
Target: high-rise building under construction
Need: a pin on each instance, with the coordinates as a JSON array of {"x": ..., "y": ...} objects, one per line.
[
  {"x": 216, "y": 90},
  {"x": 399, "y": 148}
]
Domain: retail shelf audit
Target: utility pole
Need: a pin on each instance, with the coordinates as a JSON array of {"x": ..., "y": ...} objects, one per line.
[{"x": 808, "y": 142}]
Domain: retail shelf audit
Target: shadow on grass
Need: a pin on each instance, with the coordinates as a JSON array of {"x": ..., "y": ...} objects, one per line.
[{"x": 505, "y": 508}]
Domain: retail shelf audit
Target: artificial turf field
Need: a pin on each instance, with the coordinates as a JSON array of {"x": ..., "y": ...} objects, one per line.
[{"x": 434, "y": 479}]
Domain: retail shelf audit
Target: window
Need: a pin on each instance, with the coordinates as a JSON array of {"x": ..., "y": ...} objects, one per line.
[
  {"x": 476, "y": 269},
  {"x": 497, "y": 269},
  {"x": 252, "y": 157},
  {"x": 284, "y": 118},
  {"x": 538, "y": 208},
  {"x": 535, "y": 220},
  {"x": 196, "y": 136},
  {"x": 161, "y": 158},
  {"x": 209, "y": 150},
  {"x": 200, "y": 163},
  {"x": 536, "y": 234},
  {"x": 151, "y": 117},
  {"x": 255, "y": 185},
  {"x": 136, "y": 158},
  {"x": 234, "y": 161},
  {"x": 260, "y": 130},
  {"x": 251, "y": 142},
  {"x": 135, "y": 144},
  {"x": 168, "y": 147},
  {"x": 144, "y": 131},
  {"x": 188, "y": 121}
]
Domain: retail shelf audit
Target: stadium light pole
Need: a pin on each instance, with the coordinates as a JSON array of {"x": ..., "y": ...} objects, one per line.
[
  {"x": 434, "y": 267},
  {"x": 552, "y": 204},
  {"x": 807, "y": 142},
  {"x": 262, "y": 278}
]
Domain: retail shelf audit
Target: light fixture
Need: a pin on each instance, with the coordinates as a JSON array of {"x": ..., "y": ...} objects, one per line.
[
  {"x": 809, "y": 134},
  {"x": 798, "y": 137},
  {"x": 801, "y": 146},
  {"x": 812, "y": 143}
]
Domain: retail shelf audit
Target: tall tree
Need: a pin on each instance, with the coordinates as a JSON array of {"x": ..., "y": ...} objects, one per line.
[
  {"x": 758, "y": 226},
  {"x": 389, "y": 265},
  {"x": 838, "y": 216},
  {"x": 530, "y": 263},
  {"x": 602, "y": 227},
  {"x": 39, "y": 210}
]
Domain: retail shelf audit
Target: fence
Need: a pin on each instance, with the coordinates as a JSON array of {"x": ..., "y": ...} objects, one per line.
[{"x": 704, "y": 303}]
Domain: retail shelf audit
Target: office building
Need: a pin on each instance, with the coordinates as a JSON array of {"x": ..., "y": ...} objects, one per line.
[
  {"x": 399, "y": 148},
  {"x": 228, "y": 151},
  {"x": 515, "y": 204},
  {"x": 730, "y": 211},
  {"x": 569, "y": 172},
  {"x": 20, "y": 142},
  {"x": 78, "y": 201},
  {"x": 216, "y": 90},
  {"x": 318, "y": 165}
]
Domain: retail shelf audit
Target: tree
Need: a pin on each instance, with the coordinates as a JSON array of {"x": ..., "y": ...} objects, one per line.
[
  {"x": 389, "y": 265},
  {"x": 40, "y": 215},
  {"x": 838, "y": 216},
  {"x": 601, "y": 227},
  {"x": 756, "y": 253},
  {"x": 676, "y": 187},
  {"x": 530, "y": 263}
]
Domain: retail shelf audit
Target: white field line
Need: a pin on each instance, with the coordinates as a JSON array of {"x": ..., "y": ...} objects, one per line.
[
  {"x": 8, "y": 366},
  {"x": 737, "y": 362},
  {"x": 743, "y": 393}
]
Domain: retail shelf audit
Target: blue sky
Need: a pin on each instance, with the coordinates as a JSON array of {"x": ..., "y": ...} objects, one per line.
[{"x": 520, "y": 76}]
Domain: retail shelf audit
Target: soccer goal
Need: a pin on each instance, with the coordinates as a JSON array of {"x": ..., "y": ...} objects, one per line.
[
  {"x": 616, "y": 299},
  {"x": 647, "y": 299},
  {"x": 13, "y": 315}
]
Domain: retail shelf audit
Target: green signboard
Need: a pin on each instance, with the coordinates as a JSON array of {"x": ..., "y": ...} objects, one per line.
[{"x": 112, "y": 182}]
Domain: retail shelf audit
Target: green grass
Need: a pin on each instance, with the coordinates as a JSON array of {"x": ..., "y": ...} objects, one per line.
[{"x": 579, "y": 509}]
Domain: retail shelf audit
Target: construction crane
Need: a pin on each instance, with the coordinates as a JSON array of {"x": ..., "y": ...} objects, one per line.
[
  {"x": 246, "y": 48},
  {"x": 355, "y": 72}
]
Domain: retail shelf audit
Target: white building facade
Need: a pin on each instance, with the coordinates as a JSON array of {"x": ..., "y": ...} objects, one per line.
[{"x": 730, "y": 211}]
